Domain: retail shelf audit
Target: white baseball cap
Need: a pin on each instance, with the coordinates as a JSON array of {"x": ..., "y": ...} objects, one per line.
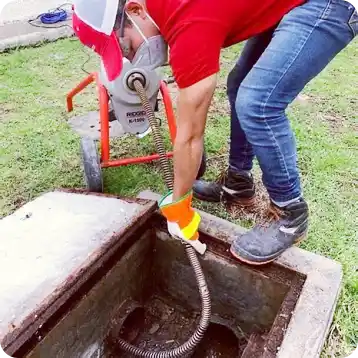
[{"x": 93, "y": 22}]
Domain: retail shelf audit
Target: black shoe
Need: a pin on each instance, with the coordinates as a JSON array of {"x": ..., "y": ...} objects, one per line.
[
  {"x": 264, "y": 243},
  {"x": 231, "y": 187}
]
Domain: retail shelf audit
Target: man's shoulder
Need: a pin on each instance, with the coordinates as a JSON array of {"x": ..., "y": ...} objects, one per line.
[{"x": 173, "y": 15}]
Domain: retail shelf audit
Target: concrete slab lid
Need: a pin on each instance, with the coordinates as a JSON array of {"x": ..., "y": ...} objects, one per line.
[{"x": 50, "y": 238}]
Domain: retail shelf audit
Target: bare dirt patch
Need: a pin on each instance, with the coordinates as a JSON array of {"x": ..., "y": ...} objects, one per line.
[{"x": 337, "y": 123}]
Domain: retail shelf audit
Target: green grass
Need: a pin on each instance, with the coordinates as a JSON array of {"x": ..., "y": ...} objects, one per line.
[{"x": 39, "y": 152}]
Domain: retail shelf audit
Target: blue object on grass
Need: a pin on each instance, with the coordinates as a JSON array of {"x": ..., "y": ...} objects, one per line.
[{"x": 53, "y": 16}]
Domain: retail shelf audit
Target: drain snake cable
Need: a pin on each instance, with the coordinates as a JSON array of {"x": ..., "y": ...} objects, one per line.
[{"x": 186, "y": 348}]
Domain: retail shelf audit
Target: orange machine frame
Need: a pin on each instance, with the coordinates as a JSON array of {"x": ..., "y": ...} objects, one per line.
[{"x": 104, "y": 121}]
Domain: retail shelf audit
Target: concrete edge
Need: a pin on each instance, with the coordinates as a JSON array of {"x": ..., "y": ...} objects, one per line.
[
  {"x": 314, "y": 311},
  {"x": 35, "y": 38},
  {"x": 313, "y": 315}
]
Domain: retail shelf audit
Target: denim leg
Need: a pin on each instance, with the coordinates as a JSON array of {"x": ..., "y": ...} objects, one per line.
[
  {"x": 304, "y": 42},
  {"x": 241, "y": 152}
]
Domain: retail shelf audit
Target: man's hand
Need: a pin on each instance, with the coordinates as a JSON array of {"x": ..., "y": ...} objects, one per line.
[
  {"x": 193, "y": 105},
  {"x": 183, "y": 221}
]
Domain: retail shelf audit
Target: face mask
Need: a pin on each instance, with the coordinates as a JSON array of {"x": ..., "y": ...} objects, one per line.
[{"x": 153, "y": 52}]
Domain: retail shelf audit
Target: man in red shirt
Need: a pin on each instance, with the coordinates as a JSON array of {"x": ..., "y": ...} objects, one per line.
[{"x": 289, "y": 43}]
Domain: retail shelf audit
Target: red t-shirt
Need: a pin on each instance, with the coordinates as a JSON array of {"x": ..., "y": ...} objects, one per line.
[{"x": 196, "y": 30}]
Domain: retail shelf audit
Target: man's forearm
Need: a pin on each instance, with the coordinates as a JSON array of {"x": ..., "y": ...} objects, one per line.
[
  {"x": 187, "y": 158},
  {"x": 193, "y": 105}
]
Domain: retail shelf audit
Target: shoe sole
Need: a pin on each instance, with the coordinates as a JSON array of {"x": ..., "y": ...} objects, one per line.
[
  {"x": 199, "y": 197},
  {"x": 261, "y": 263}
]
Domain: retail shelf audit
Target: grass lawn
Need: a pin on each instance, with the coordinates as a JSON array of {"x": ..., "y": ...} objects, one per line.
[{"x": 39, "y": 152}]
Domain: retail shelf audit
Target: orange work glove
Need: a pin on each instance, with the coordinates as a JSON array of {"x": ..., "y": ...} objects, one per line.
[{"x": 183, "y": 221}]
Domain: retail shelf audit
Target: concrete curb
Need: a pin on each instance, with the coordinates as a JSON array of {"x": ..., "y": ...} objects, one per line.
[{"x": 34, "y": 37}]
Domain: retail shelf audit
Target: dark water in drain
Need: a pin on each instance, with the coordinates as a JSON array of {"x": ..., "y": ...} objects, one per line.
[{"x": 163, "y": 326}]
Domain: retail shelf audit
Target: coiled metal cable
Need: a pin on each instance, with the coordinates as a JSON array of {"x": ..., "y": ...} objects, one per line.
[
  {"x": 158, "y": 140},
  {"x": 186, "y": 348}
]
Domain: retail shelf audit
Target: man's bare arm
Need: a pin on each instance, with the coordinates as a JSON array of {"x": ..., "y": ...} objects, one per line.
[{"x": 193, "y": 105}]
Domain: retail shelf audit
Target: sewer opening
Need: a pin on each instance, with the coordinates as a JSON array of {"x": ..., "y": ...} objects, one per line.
[
  {"x": 162, "y": 324},
  {"x": 163, "y": 306}
]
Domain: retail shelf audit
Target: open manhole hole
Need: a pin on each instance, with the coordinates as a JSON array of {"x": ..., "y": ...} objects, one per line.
[
  {"x": 250, "y": 308},
  {"x": 162, "y": 323}
]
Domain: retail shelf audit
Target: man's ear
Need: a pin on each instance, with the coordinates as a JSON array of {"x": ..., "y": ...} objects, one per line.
[{"x": 136, "y": 8}]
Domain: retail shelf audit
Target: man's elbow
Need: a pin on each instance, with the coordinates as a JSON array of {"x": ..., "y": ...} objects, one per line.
[
  {"x": 193, "y": 105},
  {"x": 199, "y": 95}
]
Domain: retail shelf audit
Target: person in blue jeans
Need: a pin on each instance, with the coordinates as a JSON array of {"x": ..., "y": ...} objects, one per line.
[
  {"x": 272, "y": 70},
  {"x": 289, "y": 42}
]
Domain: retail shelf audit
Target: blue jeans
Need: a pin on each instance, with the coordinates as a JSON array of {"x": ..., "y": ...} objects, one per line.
[{"x": 272, "y": 70}]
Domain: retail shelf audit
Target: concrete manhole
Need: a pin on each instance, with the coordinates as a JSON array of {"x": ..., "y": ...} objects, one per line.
[{"x": 104, "y": 267}]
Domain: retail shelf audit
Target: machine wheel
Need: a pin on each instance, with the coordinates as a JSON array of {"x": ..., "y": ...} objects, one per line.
[
  {"x": 202, "y": 167},
  {"x": 92, "y": 165}
]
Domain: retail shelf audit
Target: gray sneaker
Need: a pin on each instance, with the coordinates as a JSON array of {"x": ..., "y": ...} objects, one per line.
[{"x": 264, "y": 243}]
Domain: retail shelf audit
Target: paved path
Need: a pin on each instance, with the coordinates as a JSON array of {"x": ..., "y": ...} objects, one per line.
[
  {"x": 17, "y": 10},
  {"x": 16, "y": 31}
]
